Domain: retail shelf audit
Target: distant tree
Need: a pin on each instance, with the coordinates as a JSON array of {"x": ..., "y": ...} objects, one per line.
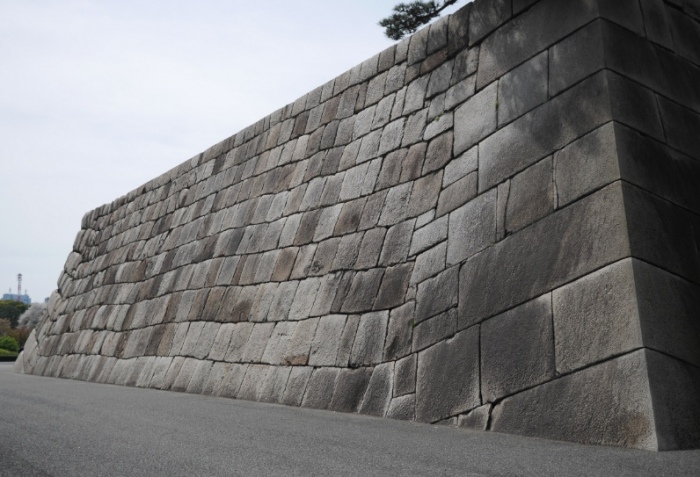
[
  {"x": 19, "y": 334},
  {"x": 11, "y": 310},
  {"x": 31, "y": 317},
  {"x": 408, "y": 17},
  {"x": 8, "y": 343}
]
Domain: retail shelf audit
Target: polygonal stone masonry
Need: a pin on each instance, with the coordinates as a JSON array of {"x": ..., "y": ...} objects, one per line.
[{"x": 492, "y": 224}]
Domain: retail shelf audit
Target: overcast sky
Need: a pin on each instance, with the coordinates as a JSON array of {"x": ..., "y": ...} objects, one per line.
[{"x": 99, "y": 96}]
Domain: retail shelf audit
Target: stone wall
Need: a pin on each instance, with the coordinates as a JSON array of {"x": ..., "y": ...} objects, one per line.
[{"x": 492, "y": 224}]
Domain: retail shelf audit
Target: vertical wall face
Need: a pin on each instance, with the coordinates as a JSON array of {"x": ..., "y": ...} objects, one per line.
[{"x": 494, "y": 223}]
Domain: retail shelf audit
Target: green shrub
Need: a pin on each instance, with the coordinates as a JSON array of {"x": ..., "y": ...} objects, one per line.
[{"x": 9, "y": 343}]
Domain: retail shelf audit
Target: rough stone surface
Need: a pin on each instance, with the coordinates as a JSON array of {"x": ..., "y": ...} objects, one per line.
[
  {"x": 594, "y": 404},
  {"x": 492, "y": 224},
  {"x": 596, "y": 317},
  {"x": 440, "y": 393},
  {"x": 517, "y": 349}
]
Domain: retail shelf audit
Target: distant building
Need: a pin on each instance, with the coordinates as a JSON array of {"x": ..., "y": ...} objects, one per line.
[{"x": 13, "y": 296}]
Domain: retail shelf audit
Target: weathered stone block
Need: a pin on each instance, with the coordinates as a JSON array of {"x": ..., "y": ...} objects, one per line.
[
  {"x": 296, "y": 385},
  {"x": 319, "y": 391},
  {"x": 517, "y": 349},
  {"x": 405, "y": 375},
  {"x": 662, "y": 233},
  {"x": 397, "y": 243},
  {"x": 216, "y": 378},
  {"x": 460, "y": 167},
  {"x": 257, "y": 342},
  {"x": 350, "y": 388},
  {"x": 675, "y": 388},
  {"x": 622, "y": 382},
  {"x": 253, "y": 381},
  {"x": 457, "y": 194},
  {"x": 486, "y": 16},
  {"x": 564, "y": 246},
  {"x": 347, "y": 340},
  {"x": 531, "y": 196},
  {"x": 472, "y": 227},
  {"x": 437, "y": 294},
  {"x": 367, "y": 348},
  {"x": 476, "y": 119},
  {"x": 435, "y": 329},
  {"x": 362, "y": 291},
  {"x": 304, "y": 299},
  {"x": 586, "y": 164},
  {"x": 476, "y": 419},
  {"x": 324, "y": 348},
  {"x": 429, "y": 263},
  {"x": 443, "y": 391},
  {"x": 567, "y": 64},
  {"x": 201, "y": 372},
  {"x": 523, "y": 88},
  {"x": 506, "y": 152},
  {"x": 667, "y": 306},
  {"x": 402, "y": 407},
  {"x": 596, "y": 317},
  {"x": 277, "y": 345},
  {"x": 232, "y": 384},
  {"x": 273, "y": 388},
  {"x": 680, "y": 125},
  {"x": 399, "y": 333},
  {"x": 326, "y": 294},
  {"x": 378, "y": 395},
  {"x": 392, "y": 291}
]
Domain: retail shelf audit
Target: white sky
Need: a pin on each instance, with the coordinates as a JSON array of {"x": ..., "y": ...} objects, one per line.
[{"x": 98, "y": 97}]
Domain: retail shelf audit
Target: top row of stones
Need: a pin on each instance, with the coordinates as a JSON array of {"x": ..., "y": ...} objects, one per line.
[{"x": 437, "y": 42}]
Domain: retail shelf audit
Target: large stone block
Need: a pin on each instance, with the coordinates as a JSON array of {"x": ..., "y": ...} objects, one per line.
[
  {"x": 350, "y": 388},
  {"x": 399, "y": 332},
  {"x": 476, "y": 119},
  {"x": 523, "y": 88},
  {"x": 275, "y": 384},
  {"x": 668, "y": 307},
  {"x": 544, "y": 24},
  {"x": 405, "y": 375},
  {"x": 609, "y": 404},
  {"x": 437, "y": 294},
  {"x": 680, "y": 125},
  {"x": 362, "y": 292},
  {"x": 517, "y": 349},
  {"x": 486, "y": 16},
  {"x": 657, "y": 168},
  {"x": 368, "y": 347},
  {"x": 392, "y": 291},
  {"x": 596, "y": 317},
  {"x": 559, "y": 248},
  {"x": 675, "y": 390},
  {"x": 472, "y": 227},
  {"x": 552, "y": 125},
  {"x": 377, "y": 398},
  {"x": 662, "y": 233},
  {"x": 448, "y": 377},
  {"x": 319, "y": 391},
  {"x": 428, "y": 332},
  {"x": 531, "y": 196},
  {"x": 324, "y": 348},
  {"x": 586, "y": 164}
]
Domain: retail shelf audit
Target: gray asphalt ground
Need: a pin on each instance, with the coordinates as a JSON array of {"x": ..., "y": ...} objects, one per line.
[{"x": 57, "y": 427}]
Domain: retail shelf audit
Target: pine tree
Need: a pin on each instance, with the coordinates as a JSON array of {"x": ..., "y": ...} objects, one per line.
[{"x": 408, "y": 17}]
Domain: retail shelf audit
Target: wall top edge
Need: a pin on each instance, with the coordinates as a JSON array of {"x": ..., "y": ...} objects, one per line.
[{"x": 445, "y": 38}]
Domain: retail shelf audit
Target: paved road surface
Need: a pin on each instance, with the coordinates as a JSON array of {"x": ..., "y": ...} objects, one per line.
[{"x": 56, "y": 427}]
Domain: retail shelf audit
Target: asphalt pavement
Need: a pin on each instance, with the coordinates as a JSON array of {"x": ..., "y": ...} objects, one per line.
[{"x": 58, "y": 427}]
